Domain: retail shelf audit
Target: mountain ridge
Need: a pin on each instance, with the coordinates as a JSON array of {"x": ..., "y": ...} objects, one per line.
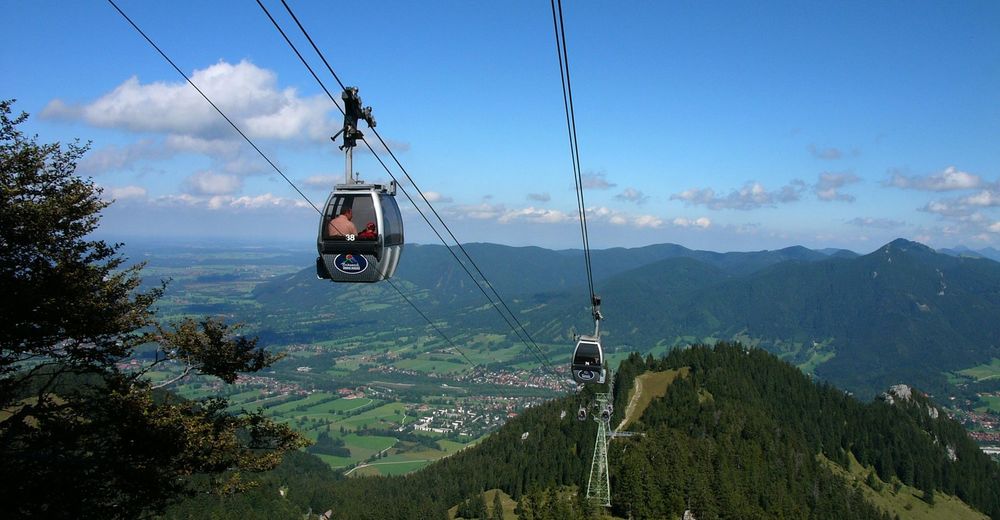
[{"x": 902, "y": 313}]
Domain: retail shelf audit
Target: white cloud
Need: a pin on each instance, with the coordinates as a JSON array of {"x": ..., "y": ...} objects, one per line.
[
  {"x": 213, "y": 147},
  {"x": 210, "y": 183},
  {"x": 605, "y": 214},
  {"x": 263, "y": 201},
  {"x": 596, "y": 181},
  {"x": 228, "y": 202},
  {"x": 537, "y": 215},
  {"x": 632, "y": 195},
  {"x": 947, "y": 207},
  {"x": 433, "y": 196},
  {"x": 539, "y": 197},
  {"x": 995, "y": 227},
  {"x": 752, "y": 195},
  {"x": 985, "y": 198},
  {"x": 701, "y": 222},
  {"x": 648, "y": 221},
  {"x": 248, "y": 94},
  {"x": 947, "y": 180},
  {"x": 828, "y": 186},
  {"x": 126, "y": 192}
]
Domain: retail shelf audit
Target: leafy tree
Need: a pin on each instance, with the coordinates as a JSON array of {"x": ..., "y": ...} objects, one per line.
[{"x": 81, "y": 434}]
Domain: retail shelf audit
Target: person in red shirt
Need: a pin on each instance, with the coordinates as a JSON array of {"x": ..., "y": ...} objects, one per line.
[{"x": 369, "y": 232}]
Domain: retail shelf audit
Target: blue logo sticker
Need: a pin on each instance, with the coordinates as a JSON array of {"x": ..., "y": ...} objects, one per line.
[{"x": 350, "y": 263}]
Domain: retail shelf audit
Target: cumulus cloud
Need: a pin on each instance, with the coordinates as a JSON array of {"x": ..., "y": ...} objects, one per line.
[
  {"x": 125, "y": 192},
  {"x": 948, "y": 179},
  {"x": 876, "y": 222},
  {"x": 433, "y": 196},
  {"x": 191, "y": 144},
  {"x": 632, "y": 195},
  {"x": 537, "y": 215},
  {"x": 248, "y": 94},
  {"x": 946, "y": 208},
  {"x": 596, "y": 181},
  {"x": 752, "y": 195},
  {"x": 650, "y": 221},
  {"x": 211, "y": 183},
  {"x": 229, "y": 202},
  {"x": 960, "y": 218},
  {"x": 995, "y": 227},
  {"x": 539, "y": 197},
  {"x": 829, "y": 184},
  {"x": 605, "y": 214},
  {"x": 702, "y": 222},
  {"x": 985, "y": 198},
  {"x": 959, "y": 206}
]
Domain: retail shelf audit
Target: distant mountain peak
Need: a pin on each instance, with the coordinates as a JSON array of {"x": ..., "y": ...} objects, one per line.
[{"x": 902, "y": 245}]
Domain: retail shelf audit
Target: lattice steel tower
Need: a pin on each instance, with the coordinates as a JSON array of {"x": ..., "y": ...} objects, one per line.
[{"x": 599, "y": 486}]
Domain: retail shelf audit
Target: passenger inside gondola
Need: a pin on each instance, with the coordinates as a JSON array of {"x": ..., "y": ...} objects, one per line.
[
  {"x": 342, "y": 225},
  {"x": 369, "y": 233}
]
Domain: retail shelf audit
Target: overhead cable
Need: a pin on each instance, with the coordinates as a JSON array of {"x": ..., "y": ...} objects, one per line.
[
  {"x": 567, "y": 91},
  {"x": 520, "y": 331},
  {"x": 405, "y": 173},
  {"x": 266, "y": 158}
]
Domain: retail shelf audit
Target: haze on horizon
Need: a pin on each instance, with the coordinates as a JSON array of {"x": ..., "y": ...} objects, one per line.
[{"x": 717, "y": 127}]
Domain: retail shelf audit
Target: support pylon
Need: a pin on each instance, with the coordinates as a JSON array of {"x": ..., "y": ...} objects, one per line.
[{"x": 599, "y": 486}]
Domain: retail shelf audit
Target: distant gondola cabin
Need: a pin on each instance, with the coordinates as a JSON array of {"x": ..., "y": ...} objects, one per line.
[{"x": 588, "y": 361}]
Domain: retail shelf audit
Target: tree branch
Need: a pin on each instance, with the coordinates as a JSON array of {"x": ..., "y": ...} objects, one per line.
[{"x": 187, "y": 370}]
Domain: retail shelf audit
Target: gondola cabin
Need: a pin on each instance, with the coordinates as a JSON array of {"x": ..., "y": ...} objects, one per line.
[
  {"x": 588, "y": 361},
  {"x": 360, "y": 234}
]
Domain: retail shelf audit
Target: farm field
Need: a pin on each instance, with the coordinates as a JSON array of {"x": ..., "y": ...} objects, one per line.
[
  {"x": 992, "y": 403},
  {"x": 404, "y": 373},
  {"x": 983, "y": 372}
]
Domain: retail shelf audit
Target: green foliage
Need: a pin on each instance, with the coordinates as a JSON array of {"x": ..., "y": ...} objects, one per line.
[
  {"x": 496, "y": 512},
  {"x": 328, "y": 445},
  {"x": 901, "y": 313},
  {"x": 737, "y": 437},
  {"x": 210, "y": 348},
  {"x": 81, "y": 436},
  {"x": 759, "y": 401}
]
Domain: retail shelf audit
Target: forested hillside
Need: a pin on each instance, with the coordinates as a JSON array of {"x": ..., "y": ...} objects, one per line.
[
  {"x": 903, "y": 313},
  {"x": 900, "y": 314},
  {"x": 743, "y": 435}
]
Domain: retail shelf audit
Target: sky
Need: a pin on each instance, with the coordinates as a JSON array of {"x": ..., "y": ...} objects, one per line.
[{"x": 728, "y": 126}]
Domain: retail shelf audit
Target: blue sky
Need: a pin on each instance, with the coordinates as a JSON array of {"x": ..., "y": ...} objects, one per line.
[{"x": 715, "y": 125}]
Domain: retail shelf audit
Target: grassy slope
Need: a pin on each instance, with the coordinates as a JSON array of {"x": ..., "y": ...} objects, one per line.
[
  {"x": 906, "y": 502},
  {"x": 509, "y": 504},
  {"x": 985, "y": 371},
  {"x": 647, "y": 387}
]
